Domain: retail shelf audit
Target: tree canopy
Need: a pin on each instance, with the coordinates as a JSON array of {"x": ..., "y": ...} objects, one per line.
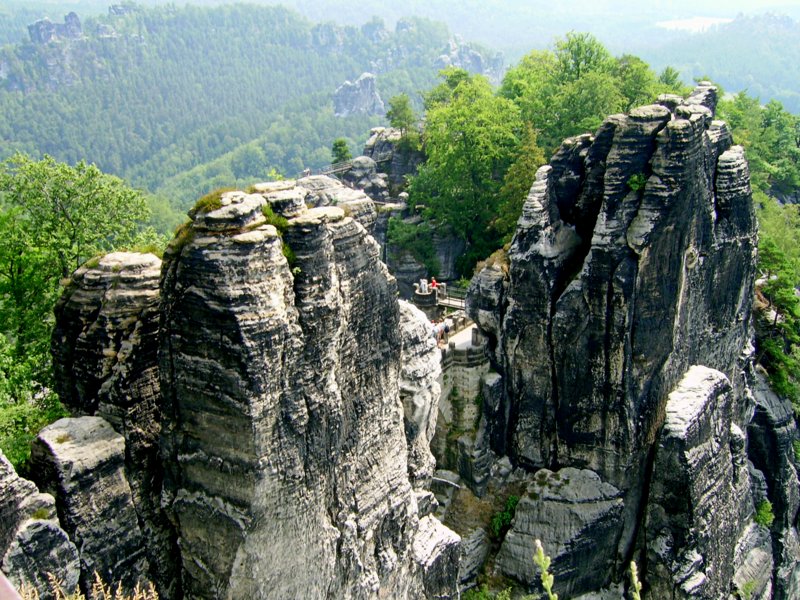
[
  {"x": 53, "y": 217},
  {"x": 471, "y": 138}
]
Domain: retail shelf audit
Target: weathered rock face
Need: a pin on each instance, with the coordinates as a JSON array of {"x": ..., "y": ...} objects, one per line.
[
  {"x": 80, "y": 461},
  {"x": 634, "y": 260},
  {"x": 692, "y": 524},
  {"x": 419, "y": 390},
  {"x": 358, "y": 98},
  {"x": 284, "y": 427},
  {"x": 577, "y": 517},
  {"x": 104, "y": 349},
  {"x": 32, "y": 541},
  {"x": 383, "y": 146},
  {"x": 363, "y": 175}
]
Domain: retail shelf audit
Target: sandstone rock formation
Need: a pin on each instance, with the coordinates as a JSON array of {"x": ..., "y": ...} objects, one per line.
[
  {"x": 359, "y": 97},
  {"x": 81, "y": 461},
  {"x": 383, "y": 146},
  {"x": 634, "y": 260},
  {"x": 283, "y": 431},
  {"x": 104, "y": 348},
  {"x": 692, "y": 521},
  {"x": 32, "y": 542},
  {"x": 44, "y": 30}
]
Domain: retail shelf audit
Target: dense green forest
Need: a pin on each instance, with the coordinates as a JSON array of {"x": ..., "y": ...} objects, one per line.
[
  {"x": 157, "y": 92},
  {"x": 756, "y": 54},
  {"x": 180, "y": 101}
]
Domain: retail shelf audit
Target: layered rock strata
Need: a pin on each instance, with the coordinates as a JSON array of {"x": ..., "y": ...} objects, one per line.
[
  {"x": 692, "y": 520},
  {"x": 104, "y": 347},
  {"x": 80, "y": 461},
  {"x": 32, "y": 541},
  {"x": 283, "y": 421},
  {"x": 633, "y": 260}
]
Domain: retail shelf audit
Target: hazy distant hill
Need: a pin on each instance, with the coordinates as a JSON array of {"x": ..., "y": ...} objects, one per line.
[{"x": 759, "y": 54}]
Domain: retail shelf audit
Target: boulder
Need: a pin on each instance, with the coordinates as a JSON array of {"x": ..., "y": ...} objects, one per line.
[
  {"x": 32, "y": 544},
  {"x": 80, "y": 461},
  {"x": 577, "y": 517}
]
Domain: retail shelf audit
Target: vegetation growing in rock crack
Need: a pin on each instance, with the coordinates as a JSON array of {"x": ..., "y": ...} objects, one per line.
[
  {"x": 764, "y": 515},
  {"x": 501, "y": 521}
]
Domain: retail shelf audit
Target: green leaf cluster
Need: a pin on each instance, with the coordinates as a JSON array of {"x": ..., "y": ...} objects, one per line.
[
  {"x": 471, "y": 138},
  {"x": 764, "y": 515},
  {"x": 340, "y": 151},
  {"x": 571, "y": 89},
  {"x": 53, "y": 217},
  {"x": 416, "y": 239}
]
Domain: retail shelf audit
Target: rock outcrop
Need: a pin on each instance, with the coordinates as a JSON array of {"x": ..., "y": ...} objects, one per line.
[
  {"x": 363, "y": 175},
  {"x": 104, "y": 348},
  {"x": 397, "y": 161},
  {"x": 45, "y": 31},
  {"x": 283, "y": 432},
  {"x": 630, "y": 276},
  {"x": 359, "y": 97},
  {"x": 81, "y": 462},
  {"x": 465, "y": 56},
  {"x": 32, "y": 542},
  {"x": 692, "y": 515}
]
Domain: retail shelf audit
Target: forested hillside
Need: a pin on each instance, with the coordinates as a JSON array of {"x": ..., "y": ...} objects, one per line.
[
  {"x": 154, "y": 92},
  {"x": 756, "y": 54}
]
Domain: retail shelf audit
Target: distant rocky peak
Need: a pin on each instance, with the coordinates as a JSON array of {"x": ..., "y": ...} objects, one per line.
[
  {"x": 467, "y": 56},
  {"x": 45, "y": 31},
  {"x": 359, "y": 97}
]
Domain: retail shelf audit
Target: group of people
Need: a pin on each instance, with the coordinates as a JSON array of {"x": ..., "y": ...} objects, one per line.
[{"x": 425, "y": 287}]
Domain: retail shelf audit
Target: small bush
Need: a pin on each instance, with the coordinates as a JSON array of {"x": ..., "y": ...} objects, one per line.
[
  {"x": 99, "y": 591},
  {"x": 502, "y": 520},
  {"x": 280, "y": 223},
  {"x": 499, "y": 258},
  {"x": 637, "y": 182},
  {"x": 764, "y": 515},
  {"x": 40, "y": 513},
  {"x": 184, "y": 234},
  {"x": 796, "y": 447},
  {"x": 210, "y": 202}
]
